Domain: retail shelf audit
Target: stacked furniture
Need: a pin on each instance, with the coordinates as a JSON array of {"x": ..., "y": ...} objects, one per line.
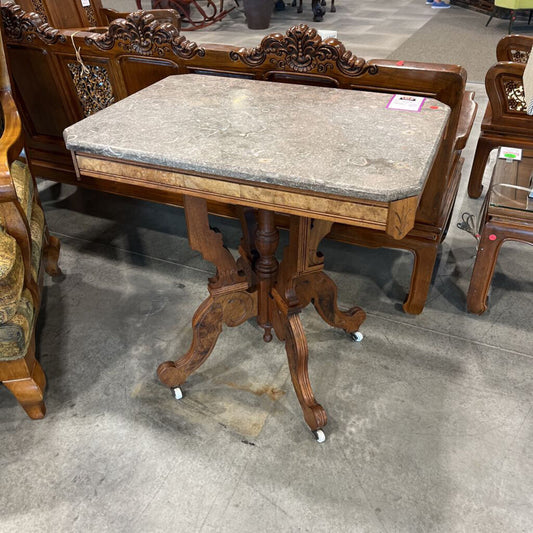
[
  {"x": 55, "y": 90},
  {"x": 26, "y": 249},
  {"x": 506, "y": 122}
]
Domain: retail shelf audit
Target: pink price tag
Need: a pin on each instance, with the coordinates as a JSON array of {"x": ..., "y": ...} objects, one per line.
[{"x": 492, "y": 237}]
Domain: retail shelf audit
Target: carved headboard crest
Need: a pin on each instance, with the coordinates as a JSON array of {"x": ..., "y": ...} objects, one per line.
[
  {"x": 20, "y": 25},
  {"x": 301, "y": 49},
  {"x": 141, "y": 33}
]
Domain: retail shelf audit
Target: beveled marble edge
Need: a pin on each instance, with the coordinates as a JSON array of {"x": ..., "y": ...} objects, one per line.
[{"x": 157, "y": 133}]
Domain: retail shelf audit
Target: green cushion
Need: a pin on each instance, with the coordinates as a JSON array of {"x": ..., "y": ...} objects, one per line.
[
  {"x": 514, "y": 4},
  {"x": 11, "y": 276},
  {"x": 15, "y": 335}
]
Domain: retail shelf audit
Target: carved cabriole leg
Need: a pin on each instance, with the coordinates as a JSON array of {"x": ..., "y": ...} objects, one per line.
[
  {"x": 266, "y": 267},
  {"x": 230, "y": 301},
  {"x": 425, "y": 256},
  {"x": 298, "y": 355},
  {"x": 320, "y": 290},
  {"x": 51, "y": 255},
  {"x": 231, "y": 309},
  {"x": 483, "y": 149},
  {"x": 26, "y": 381}
]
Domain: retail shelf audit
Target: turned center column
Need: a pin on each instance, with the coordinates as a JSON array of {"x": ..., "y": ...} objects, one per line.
[{"x": 266, "y": 268}]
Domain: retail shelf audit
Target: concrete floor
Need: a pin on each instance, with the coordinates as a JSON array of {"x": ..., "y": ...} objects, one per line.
[{"x": 430, "y": 417}]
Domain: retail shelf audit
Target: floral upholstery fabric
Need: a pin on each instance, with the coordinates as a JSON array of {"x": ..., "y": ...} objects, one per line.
[
  {"x": 17, "y": 310},
  {"x": 11, "y": 277},
  {"x": 23, "y": 182},
  {"x": 37, "y": 231},
  {"x": 15, "y": 335}
]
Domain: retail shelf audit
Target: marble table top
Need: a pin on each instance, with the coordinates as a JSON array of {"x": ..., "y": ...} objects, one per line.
[{"x": 325, "y": 140}]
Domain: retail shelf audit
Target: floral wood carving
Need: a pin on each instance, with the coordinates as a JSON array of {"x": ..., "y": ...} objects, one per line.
[
  {"x": 91, "y": 17},
  {"x": 301, "y": 49},
  {"x": 140, "y": 32},
  {"x": 20, "y": 25},
  {"x": 39, "y": 9},
  {"x": 92, "y": 87},
  {"x": 519, "y": 56},
  {"x": 514, "y": 91}
]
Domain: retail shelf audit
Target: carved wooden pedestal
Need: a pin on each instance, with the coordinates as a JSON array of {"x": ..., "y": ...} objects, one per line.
[{"x": 257, "y": 286}]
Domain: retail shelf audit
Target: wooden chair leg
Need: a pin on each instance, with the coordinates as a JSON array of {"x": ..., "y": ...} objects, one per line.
[
  {"x": 26, "y": 381},
  {"x": 424, "y": 264},
  {"x": 51, "y": 255},
  {"x": 483, "y": 149},
  {"x": 487, "y": 254},
  {"x": 333, "y": 9},
  {"x": 491, "y": 17}
]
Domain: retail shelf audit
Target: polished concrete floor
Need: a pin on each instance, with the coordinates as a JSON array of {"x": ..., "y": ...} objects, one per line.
[{"x": 430, "y": 417}]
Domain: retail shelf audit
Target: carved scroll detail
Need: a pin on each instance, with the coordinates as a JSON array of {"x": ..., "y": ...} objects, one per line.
[
  {"x": 20, "y": 25},
  {"x": 140, "y": 32},
  {"x": 94, "y": 89},
  {"x": 301, "y": 49},
  {"x": 514, "y": 91}
]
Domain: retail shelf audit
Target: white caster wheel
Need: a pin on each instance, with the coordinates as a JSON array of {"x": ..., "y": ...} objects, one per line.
[
  {"x": 177, "y": 393},
  {"x": 320, "y": 436},
  {"x": 357, "y": 336}
]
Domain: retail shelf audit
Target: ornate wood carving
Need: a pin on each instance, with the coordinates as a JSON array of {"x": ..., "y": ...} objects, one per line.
[
  {"x": 519, "y": 56},
  {"x": 20, "y": 25},
  {"x": 231, "y": 309},
  {"x": 93, "y": 87},
  {"x": 39, "y": 9},
  {"x": 141, "y": 33},
  {"x": 89, "y": 10},
  {"x": 301, "y": 49},
  {"x": 514, "y": 92}
]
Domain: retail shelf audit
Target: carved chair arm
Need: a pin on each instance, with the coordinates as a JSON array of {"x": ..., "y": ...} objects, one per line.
[
  {"x": 505, "y": 91},
  {"x": 11, "y": 145},
  {"x": 466, "y": 120},
  {"x": 514, "y": 48}
]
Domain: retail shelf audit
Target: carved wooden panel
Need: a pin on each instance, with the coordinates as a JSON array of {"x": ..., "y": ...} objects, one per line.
[
  {"x": 93, "y": 87},
  {"x": 39, "y": 9},
  {"x": 49, "y": 119},
  {"x": 91, "y": 17},
  {"x": 140, "y": 72},
  {"x": 519, "y": 56},
  {"x": 514, "y": 92}
]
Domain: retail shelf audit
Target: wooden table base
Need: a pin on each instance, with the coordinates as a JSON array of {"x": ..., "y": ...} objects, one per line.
[{"x": 255, "y": 285}]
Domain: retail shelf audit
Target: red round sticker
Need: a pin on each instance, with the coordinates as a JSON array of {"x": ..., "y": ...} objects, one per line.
[{"x": 492, "y": 237}]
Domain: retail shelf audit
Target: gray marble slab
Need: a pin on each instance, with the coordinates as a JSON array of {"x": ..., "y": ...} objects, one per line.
[{"x": 325, "y": 140}]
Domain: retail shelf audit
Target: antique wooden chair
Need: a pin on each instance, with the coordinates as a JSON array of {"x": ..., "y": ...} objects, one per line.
[
  {"x": 506, "y": 122},
  {"x": 25, "y": 248}
]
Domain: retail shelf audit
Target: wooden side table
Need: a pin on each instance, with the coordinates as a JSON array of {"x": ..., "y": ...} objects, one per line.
[
  {"x": 507, "y": 214},
  {"x": 224, "y": 139}
]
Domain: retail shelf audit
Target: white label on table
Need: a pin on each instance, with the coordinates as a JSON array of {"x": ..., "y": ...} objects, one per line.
[
  {"x": 405, "y": 102},
  {"x": 510, "y": 153},
  {"x": 85, "y": 3}
]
